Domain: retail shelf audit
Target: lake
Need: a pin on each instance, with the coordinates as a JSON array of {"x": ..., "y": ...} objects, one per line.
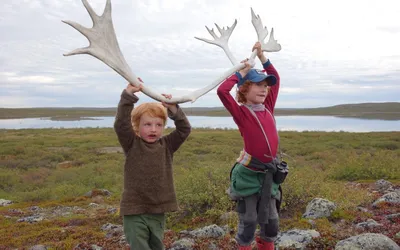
[{"x": 284, "y": 123}]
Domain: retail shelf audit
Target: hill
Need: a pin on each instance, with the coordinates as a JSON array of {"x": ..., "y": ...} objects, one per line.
[{"x": 382, "y": 111}]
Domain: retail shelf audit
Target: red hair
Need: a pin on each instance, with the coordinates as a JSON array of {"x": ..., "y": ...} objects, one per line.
[
  {"x": 152, "y": 109},
  {"x": 243, "y": 90}
]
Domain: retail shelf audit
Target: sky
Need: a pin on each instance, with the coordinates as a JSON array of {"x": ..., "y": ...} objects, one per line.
[{"x": 333, "y": 52}]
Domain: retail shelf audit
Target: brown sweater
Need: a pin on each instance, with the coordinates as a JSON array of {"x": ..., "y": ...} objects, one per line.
[{"x": 148, "y": 178}]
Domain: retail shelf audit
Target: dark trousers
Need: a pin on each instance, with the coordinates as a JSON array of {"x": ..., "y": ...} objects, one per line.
[{"x": 247, "y": 209}]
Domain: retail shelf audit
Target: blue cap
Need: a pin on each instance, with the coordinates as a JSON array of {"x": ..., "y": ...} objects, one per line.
[{"x": 256, "y": 75}]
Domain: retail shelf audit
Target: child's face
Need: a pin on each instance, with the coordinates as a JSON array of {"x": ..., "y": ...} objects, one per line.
[
  {"x": 257, "y": 93},
  {"x": 150, "y": 128}
]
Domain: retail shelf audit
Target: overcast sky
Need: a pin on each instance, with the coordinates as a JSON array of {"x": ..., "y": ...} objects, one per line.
[{"x": 333, "y": 52}]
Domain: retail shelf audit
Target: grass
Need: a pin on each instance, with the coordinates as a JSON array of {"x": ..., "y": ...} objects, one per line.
[{"x": 321, "y": 165}]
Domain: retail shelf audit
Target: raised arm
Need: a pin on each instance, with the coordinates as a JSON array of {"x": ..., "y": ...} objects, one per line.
[
  {"x": 183, "y": 128},
  {"x": 224, "y": 92},
  {"x": 270, "y": 101},
  {"x": 226, "y": 98},
  {"x": 270, "y": 70},
  {"x": 123, "y": 125}
]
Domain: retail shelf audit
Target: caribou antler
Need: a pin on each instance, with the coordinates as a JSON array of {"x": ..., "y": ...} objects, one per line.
[
  {"x": 104, "y": 46},
  {"x": 262, "y": 32},
  {"x": 222, "y": 41}
]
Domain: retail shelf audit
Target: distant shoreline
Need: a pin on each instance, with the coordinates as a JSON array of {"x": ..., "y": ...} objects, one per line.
[{"x": 378, "y": 111}]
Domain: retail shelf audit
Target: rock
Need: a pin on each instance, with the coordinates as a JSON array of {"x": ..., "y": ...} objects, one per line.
[
  {"x": 38, "y": 247},
  {"x": 84, "y": 246},
  {"x": 65, "y": 164},
  {"x": 183, "y": 244},
  {"x": 226, "y": 229},
  {"x": 393, "y": 217},
  {"x": 112, "y": 230},
  {"x": 96, "y": 247},
  {"x": 34, "y": 209},
  {"x": 15, "y": 212},
  {"x": 369, "y": 224},
  {"x": 368, "y": 241},
  {"x": 362, "y": 209},
  {"x": 4, "y": 203},
  {"x": 109, "y": 150},
  {"x": 383, "y": 185},
  {"x": 122, "y": 241},
  {"x": 62, "y": 211},
  {"x": 31, "y": 219},
  {"x": 296, "y": 238},
  {"x": 109, "y": 226},
  {"x": 112, "y": 210},
  {"x": 93, "y": 205},
  {"x": 96, "y": 192},
  {"x": 212, "y": 231},
  {"x": 319, "y": 208},
  {"x": 391, "y": 198},
  {"x": 98, "y": 199}
]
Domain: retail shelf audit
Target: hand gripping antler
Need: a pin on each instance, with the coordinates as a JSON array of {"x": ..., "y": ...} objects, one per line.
[{"x": 104, "y": 46}]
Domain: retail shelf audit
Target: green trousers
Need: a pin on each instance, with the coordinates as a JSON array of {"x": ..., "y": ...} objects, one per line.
[{"x": 144, "y": 231}]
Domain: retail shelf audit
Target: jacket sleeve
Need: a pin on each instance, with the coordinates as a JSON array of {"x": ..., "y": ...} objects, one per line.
[
  {"x": 182, "y": 130},
  {"x": 227, "y": 100},
  {"x": 123, "y": 125},
  {"x": 273, "y": 93}
]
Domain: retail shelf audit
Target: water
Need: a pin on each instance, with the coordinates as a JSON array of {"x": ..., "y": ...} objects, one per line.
[{"x": 284, "y": 123}]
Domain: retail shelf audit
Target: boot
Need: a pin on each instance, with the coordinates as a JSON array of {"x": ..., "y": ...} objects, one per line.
[{"x": 264, "y": 245}]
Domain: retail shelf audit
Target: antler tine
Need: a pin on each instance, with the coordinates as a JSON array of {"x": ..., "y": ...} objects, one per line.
[
  {"x": 212, "y": 33},
  {"x": 83, "y": 30},
  {"x": 262, "y": 32},
  {"x": 91, "y": 12},
  {"x": 222, "y": 41},
  {"x": 273, "y": 44},
  {"x": 78, "y": 51},
  {"x": 107, "y": 9}
]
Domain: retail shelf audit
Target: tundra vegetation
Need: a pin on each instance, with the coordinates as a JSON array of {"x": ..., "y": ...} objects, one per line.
[{"x": 54, "y": 168}]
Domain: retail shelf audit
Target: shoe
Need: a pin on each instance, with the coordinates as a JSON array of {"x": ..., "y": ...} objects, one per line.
[
  {"x": 244, "y": 247},
  {"x": 264, "y": 245}
]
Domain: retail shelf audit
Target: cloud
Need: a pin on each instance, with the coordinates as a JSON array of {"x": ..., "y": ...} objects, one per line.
[{"x": 331, "y": 54}]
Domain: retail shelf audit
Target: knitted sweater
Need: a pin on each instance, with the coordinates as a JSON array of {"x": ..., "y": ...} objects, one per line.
[{"x": 148, "y": 176}]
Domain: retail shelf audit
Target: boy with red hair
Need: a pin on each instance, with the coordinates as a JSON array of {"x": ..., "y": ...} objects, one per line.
[{"x": 148, "y": 180}]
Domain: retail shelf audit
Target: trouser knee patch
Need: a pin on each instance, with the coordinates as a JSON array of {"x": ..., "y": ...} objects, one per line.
[
  {"x": 271, "y": 229},
  {"x": 241, "y": 206}
]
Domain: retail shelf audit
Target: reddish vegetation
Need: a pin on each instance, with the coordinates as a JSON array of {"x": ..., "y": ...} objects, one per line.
[{"x": 83, "y": 230}]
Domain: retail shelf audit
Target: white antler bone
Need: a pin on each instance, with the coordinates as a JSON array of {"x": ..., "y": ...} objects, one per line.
[
  {"x": 222, "y": 41},
  {"x": 262, "y": 32},
  {"x": 104, "y": 46}
]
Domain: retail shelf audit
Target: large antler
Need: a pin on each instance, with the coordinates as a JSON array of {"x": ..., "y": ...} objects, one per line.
[
  {"x": 222, "y": 41},
  {"x": 262, "y": 32},
  {"x": 104, "y": 46}
]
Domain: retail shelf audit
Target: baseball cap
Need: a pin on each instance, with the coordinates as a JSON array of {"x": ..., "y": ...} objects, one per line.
[{"x": 256, "y": 75}]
